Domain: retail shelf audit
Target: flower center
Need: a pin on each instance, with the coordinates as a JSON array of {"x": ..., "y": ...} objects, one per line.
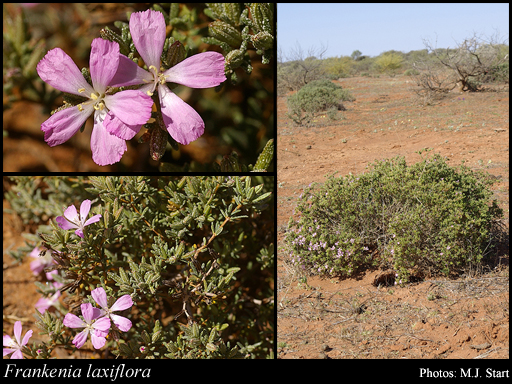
[
  {"x": 96, "y": 98},
  {"x": 158, "y": 77},
  {"x": 99, "y": 105}
]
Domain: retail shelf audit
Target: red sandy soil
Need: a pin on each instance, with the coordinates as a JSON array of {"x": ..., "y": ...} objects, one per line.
[{"x": 353, "y": 318}]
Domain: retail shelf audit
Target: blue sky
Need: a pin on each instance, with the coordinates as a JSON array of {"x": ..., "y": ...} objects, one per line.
[{"x": 376, "y": 28}]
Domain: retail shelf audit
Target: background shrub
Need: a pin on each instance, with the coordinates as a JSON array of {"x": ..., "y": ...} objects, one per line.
[
  {"x": 424, "y": 218},
  {"x": 317, "y": 96},
  {"x": 411, "y": 72},
  {"x": 388, "y": 62},
  {"x": 338, "y": 67}
]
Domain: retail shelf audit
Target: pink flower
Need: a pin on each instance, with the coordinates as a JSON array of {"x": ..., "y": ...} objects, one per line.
[
  {"x": 204, "y": 70},
  {"x": 97, "y": 328},
  {"x": 124, "y": 302},
  {"x": 72, "y": 220},
  {"x": 46, "y": 302},
  {"x": 15, "y": 346},
  {"x": 41, "y": 262},
  {"x": 123, "y": 111}
]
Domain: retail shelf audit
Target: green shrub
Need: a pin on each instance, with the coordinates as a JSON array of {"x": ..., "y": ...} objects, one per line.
[
  {"x": 498, "y": 74},
  {"x": 424, "y": 218},
  {"x": 411, "y": 72},
  {"x": 317, "y": 96},
  {"x": 338, "y": 67},
  {"x": 388, "y": 62}
]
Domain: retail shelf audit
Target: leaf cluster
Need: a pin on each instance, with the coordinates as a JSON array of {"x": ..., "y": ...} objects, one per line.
[
  {"x": 21, "y": 53},
  {"x": 238, "y": 26}
]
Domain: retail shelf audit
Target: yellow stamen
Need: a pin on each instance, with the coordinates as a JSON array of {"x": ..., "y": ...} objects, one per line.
[
  {"x": 149, "y": 93},
  {"x": 81, "y": 90},
  {"x": 80, "y": 108},
  {"x": 94, "y": 96},
  {"x": 99, "y": 106}
]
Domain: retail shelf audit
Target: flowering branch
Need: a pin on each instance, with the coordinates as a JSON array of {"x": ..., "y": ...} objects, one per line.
[{"x": 170, "y": 269}]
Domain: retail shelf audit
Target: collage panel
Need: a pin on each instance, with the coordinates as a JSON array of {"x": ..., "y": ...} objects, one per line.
[
  {"x": 393, "y": 186},
  {"x": 139, "y": 186},
  {"x": 139, "y": 267},
  {"x": 139, "y": 88}
]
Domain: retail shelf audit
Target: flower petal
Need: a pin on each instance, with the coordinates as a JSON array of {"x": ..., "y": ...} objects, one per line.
[
  {"x": 100, "y": 296},
  {"x": 100, "y": 333},
  {"x": 103, "y": 63},
  {"x": 131, "y": 107},
  {"x": 129, "y": 73},
  {"x": 85, "y": 207},
  {"x": 89, "y": 312},
  {"x": 80, "y": 338},
  {"x": 98, "y": 342},
  {"x": 102, "y": 325},
  {"x": 106, "y": 148},
  {"x": 124, "y": 302},
  {"x": 27, "y": 336},
  {"x": 17, "y": 354},
  {"x": 73, "y": 321},
  {"x": 8, "y": 342},
  {"x": 61, "y": 126},
  {"x": 17, "y": 332},
  {"x": 122, "y": 322},
  {"x": 183, "y": 123},
  {"x": 204, "y": 70},
  {"x": 148, "y": 33},
  {"x": 93, "y": 220},
  {"x": 58, "y": 69},
  {"x": 64, "y": 224},
  {"x": 71, "y": 214},
  {"x": 8, "y": 350},
  {"x": 116, "y": 127}
]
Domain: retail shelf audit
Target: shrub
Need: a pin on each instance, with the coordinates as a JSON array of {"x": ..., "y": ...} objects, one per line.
[
  {"x": 388, "y": 62},
  {"x": 498, "y": 74},
  {"x": 317, "y": 96},
  {"x": 424, "y": 218},
  {"x": 338, "y": 67},
  {"x": 411, "y": 72}
]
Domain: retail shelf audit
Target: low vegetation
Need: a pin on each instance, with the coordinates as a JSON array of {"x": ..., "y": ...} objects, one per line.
[
  {"x": 424, "y": 219},
  {"x": 471, "y": 66},
  {"x": 315, "y": 97}
]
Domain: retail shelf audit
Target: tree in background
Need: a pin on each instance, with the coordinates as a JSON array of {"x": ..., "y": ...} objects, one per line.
[
  {"x": 472, "y": 59},
  {"x": 389, "y": 62},
  {"x": 300, "y": 67},
  {"x": 356, "y": 55}
]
